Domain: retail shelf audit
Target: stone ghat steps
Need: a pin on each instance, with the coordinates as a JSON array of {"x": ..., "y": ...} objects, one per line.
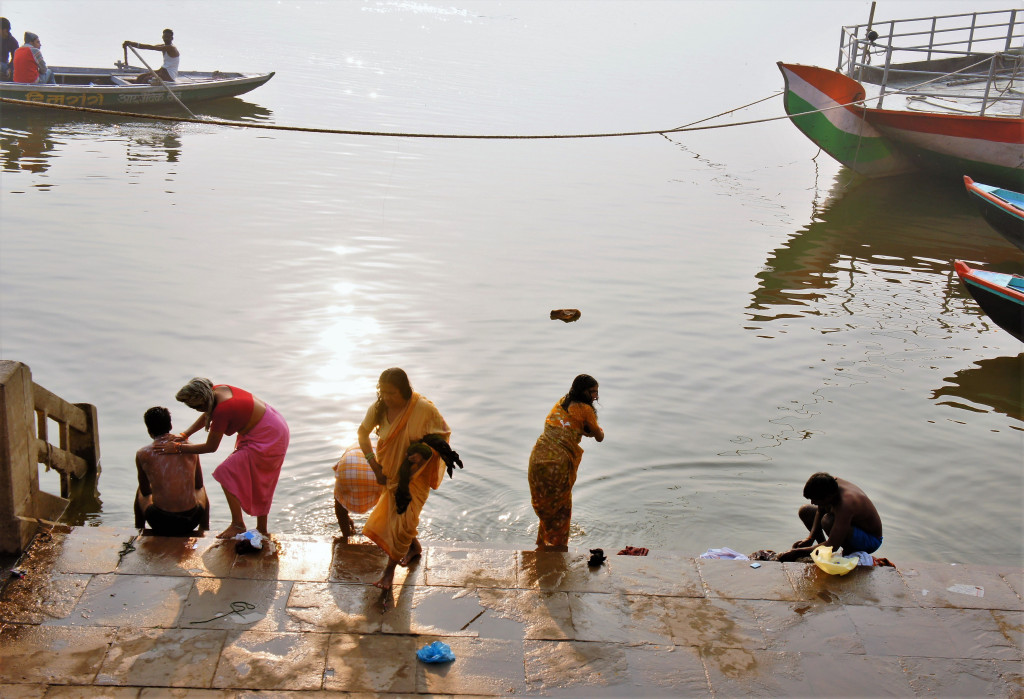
[{"x": 103, "y": 612}]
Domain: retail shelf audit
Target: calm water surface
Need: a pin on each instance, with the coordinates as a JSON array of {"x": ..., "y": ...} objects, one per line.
[{"x": 753, "y": 313}]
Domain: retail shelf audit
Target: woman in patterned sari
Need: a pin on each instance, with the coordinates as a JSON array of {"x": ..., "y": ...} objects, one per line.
[
  {"x": 400, "y": 417},
  {"x": 556, "y": 458}
]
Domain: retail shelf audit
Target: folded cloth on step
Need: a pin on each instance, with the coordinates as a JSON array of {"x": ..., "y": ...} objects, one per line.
[
  {"x": 724, "y": 553},
  {"x": 633, "y": 551}
]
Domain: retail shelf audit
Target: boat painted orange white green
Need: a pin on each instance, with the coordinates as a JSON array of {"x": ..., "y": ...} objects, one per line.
[{"x": 954, "y": 110}]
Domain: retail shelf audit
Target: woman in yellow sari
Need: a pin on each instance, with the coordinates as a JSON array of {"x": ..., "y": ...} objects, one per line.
[
  {"x": 555, "y": 460},
  {"x": 400, "y": 416}
]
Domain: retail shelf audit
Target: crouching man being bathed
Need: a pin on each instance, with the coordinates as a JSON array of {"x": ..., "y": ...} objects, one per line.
[{"x": 171, "y": 496}]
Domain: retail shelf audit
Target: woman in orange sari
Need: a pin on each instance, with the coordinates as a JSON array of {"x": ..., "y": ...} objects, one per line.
[
  {"x": 400, "y": 417},
  {"x": 555, "y": 460}
]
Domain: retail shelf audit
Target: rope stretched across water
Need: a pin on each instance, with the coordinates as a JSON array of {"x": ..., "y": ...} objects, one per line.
[
  {"x": 692, "y": 126},
  {"x": 398, "y": 134}
]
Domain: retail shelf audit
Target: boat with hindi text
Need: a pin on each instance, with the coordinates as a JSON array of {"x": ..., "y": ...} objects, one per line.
[
  {"x": 111, "y": 88},
  {"x": 938, "y": 94}
]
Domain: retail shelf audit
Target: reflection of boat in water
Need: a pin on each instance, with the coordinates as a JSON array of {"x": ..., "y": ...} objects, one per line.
[
  {"x": 109, "y": 88},
  {"x": 1000, "y": 295},
  {"x": 996, "y": 383},
  {"x": 943, "y": 97},
  {"x": 1002, "y": 208},
  {"x": 28, "y": 138},
  {"x": 908, "y": 224}
]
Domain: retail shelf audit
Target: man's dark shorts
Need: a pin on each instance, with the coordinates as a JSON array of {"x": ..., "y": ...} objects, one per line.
[
  {"x": 165, "y": 523},
  {"x": 860, "y": 540}
]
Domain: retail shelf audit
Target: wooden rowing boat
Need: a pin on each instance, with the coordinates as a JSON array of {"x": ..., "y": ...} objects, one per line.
[
  {"x": 1002, "y": 208},
  {"x": 1000, "y": 295},
  {"x": 110, "y": 88}
]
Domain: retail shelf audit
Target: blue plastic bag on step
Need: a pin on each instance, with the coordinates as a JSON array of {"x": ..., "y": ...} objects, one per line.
[{"x": 436, "y": 652}]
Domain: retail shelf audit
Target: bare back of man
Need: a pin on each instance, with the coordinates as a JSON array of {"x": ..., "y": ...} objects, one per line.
[{"x": 171, "y": 494}]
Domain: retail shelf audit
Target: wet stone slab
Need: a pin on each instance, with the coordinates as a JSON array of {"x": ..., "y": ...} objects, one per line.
[
  {"x": 471, "y": 567},
  {"x": 129, "y": 600},
  {"x": 372, "y": 663},
  {"x": 40, "y": 596},
  {"x": 807, "y": 627},
  {"x": 292, "y": 558},
  {"x": 335, "y": 607},
  {"x": 50, "y": 654},
  {"x": 184, "y": 556},
  {"x": 230, "y": 603},
  {"x": 162, "y": 658},
  {"x": 570, "y": 572},
  {"x": 579, "y": 668},
  {"x": 618, "y": 618},
  {"x": 718, "y": 623},
  {"x": 878, "y": 587},
  {"x": 942, "y": 585},
  {"x": 483, "y": 666},
  {"x": 737, "y": 580},
  {"x": 736, "y": 672},
  {"x": 272, "y": 661}
]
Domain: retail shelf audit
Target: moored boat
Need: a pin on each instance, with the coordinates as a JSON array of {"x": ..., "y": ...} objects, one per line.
[
  {"x": 110, "y": 88},
  {"x": 1000, "y": 295},
  {"x": 943, "y": 96},
  {"x": 1002, "y": 208}
]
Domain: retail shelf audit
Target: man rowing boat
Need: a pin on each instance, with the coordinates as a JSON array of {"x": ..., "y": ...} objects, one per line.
[{"x": 169, "y": 71}]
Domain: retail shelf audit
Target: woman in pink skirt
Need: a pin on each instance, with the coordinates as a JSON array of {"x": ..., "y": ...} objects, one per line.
[{"x": 249, "y": 476}]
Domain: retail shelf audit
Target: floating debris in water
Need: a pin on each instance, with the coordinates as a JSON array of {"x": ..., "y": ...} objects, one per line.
[{"x": 566, "y": 315}]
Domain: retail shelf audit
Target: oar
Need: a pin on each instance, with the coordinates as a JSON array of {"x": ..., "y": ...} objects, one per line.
[{"x": 169, "y": 90}]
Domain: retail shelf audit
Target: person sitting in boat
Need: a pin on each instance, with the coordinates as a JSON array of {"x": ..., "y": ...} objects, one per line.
[
  {"x": 169, "y": 71},
  {"x": 7, "y": 48},
  {"x": 171, "y": 494},
  {"x": 29, "y": 66},
  {"x": 840, "y": 511}
]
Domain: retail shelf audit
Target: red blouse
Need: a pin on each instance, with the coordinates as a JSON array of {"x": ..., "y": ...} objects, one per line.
[{"x": 233, "y": 414}]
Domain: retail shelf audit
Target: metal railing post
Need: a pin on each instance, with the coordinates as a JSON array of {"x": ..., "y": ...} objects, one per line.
[{"x": 988, "y": 82}]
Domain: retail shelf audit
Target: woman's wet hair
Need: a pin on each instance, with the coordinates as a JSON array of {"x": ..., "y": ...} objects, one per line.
[
  {"x": 158, "y": 421},
  {"x": 580, "y": 391},
  {"x": 198, "y": 395},
  {"x": 821, "y": 486},
  {"x": 393, "y": 377}
]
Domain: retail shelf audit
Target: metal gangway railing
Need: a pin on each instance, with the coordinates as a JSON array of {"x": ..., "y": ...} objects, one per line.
[{"x": 977, "y": 53}]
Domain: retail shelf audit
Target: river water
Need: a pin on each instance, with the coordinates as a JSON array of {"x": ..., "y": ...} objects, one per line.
[{"x": 752, "y": 312}]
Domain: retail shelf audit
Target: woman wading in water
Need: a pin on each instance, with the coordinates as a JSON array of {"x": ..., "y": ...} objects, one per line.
[
  {"x": 400, "y": 417},
  {"x": 249, "y": 475},
  {"x": 556, "y": 459}
]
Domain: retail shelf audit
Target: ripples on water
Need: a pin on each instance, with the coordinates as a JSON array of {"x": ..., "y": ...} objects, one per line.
[{"x": 752, "y": 316}]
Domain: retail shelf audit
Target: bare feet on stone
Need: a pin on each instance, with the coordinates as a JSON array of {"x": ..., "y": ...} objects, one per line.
[{"x": 232, "y": 531}]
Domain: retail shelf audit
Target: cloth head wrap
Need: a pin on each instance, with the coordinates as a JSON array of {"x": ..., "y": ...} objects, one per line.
[{"x": 198, "y": 395}]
